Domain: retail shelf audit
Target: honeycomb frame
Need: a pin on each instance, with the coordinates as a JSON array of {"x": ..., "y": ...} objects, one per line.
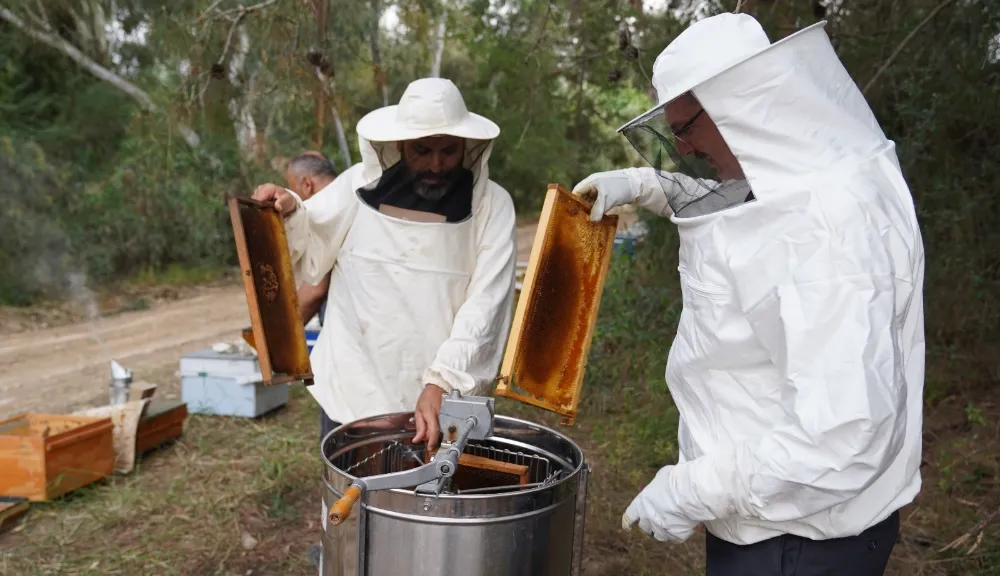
[{"x": 553, "y": 326}]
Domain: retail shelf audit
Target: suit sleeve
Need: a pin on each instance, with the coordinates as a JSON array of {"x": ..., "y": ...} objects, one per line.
[
  {"x": 469, "y": 359},
  {"x": 317, "y": 228}
]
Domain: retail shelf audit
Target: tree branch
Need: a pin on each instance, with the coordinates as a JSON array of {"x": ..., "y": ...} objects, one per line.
[
  {"x": 899, "y": 49},
  {"x": 977, "y": 532},
  {"x": 210, "y": 8},
  {"x": 229, "y": 37},
  {"x": 42, "y": 19},
  {"x": 246, "y": 9},
  {"x": 541, "y": 32},
  {"x": 80, "y": 58},
  {"x": 54, "y": 41}
]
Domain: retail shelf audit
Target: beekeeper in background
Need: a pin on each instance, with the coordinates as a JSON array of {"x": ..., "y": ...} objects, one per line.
[
  {"x": 798, "y": 364},
  {"x": 307, "y": 174},
  {"x": 421, "y": 246}
]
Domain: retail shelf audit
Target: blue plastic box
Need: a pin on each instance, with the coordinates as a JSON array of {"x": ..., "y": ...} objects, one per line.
[
  {"x": 225, "y": 384},
  {"x": 311, "y": 336}
]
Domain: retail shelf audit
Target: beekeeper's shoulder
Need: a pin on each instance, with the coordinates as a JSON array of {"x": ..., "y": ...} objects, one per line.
[
  {"x": 350, "y": 178},
  {"x": 498, "y": 202}
]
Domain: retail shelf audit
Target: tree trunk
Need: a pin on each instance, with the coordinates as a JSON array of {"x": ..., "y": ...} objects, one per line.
[
  {"x": 380, "y": 79},
  {"x": 319, "y": 8},
  {"x": 240, "y": 109},
  {"x": 327, "y": 92},
  {"x": 579, "y": 119},
  {"x": 442, "y": 28},
  {"x": 345, "y": 149}
]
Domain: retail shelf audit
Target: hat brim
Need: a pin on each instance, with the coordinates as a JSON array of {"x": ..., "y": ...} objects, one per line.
[
  {"x": 380, "y": 125},
  {"x": 699, "y": 81}
]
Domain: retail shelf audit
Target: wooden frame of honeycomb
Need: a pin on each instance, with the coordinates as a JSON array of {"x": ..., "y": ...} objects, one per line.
[{"x": 557, "y": 310}]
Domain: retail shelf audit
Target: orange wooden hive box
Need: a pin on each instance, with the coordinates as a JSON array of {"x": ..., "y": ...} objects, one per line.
[
  {"x": 43, "y": 456},
  {"x": 162, "y": 422}
]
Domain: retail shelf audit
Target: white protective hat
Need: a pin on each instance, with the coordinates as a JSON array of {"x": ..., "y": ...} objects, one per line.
[
  {"x": 429, "y": 107},
  {"x": 709, "y": 47}
]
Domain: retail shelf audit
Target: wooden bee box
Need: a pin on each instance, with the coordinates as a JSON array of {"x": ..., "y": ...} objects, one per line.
[
  {"x": 43, "y": 456},
  {"x": 162, "y": 422}
]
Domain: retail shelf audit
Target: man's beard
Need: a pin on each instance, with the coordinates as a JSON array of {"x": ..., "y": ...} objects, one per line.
[{"x": 436, "y": 190}]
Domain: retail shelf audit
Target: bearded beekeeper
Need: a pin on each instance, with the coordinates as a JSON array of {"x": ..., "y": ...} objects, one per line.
[
  {"x": 798, "y": 363},
  {"x": 421, "y": 244}
]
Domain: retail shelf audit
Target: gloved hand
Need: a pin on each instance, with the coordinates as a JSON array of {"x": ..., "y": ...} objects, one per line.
[
  {"x": 606, "y": 190},
  {"x": 657, "y": 513}
]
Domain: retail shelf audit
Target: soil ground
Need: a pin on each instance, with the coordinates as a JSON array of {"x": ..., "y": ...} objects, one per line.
[
  {"x": 240, "y": 497},
  {"x": 53, "y": 361}
]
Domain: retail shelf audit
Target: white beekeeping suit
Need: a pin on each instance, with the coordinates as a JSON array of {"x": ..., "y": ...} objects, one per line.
[
  {"x": 411, "y": 302},
  {"x": 798, "y": 364}
]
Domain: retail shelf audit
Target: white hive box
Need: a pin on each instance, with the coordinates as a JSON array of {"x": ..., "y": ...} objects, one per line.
[{"x": 227, "y": 384}]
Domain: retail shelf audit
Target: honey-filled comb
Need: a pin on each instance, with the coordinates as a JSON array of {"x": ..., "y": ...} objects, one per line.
[{"x": 556, "y": 312}]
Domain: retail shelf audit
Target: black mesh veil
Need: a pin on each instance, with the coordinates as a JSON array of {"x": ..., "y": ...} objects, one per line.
[
  {"x": 396, "y": 178},
  {"x": 388, "y": 156},
  {"x": 688, "y": 178}
]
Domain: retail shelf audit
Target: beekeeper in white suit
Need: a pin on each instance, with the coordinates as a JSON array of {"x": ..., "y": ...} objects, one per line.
[
  {"x": 798, "y": 363},
  {"x": 421, "y": 244}
]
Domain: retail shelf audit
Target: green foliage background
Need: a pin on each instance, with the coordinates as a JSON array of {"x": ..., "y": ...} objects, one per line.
[{"x": 94, "y": 183}]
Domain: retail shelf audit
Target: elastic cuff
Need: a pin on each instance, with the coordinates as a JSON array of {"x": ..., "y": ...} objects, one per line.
[
  {"x": 297, "y": 218},
  {"x": 434, "y": 377}
]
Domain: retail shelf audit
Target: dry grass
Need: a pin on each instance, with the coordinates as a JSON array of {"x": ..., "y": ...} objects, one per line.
[
  {"x": 241, "y": 497},
  {"x": 189, "y": 507},
  {"x": 961, "y": 487}
]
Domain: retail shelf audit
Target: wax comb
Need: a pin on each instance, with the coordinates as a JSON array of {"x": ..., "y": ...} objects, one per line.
[{"x": 553, "y": 326}]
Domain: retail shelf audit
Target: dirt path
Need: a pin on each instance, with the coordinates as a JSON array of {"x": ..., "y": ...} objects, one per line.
[
  {"x": 63, "y": 368},
  {"x": 59, "y": 369}
]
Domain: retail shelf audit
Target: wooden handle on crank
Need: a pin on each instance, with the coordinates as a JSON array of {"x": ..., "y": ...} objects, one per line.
[{"x": 342, "y": 507}]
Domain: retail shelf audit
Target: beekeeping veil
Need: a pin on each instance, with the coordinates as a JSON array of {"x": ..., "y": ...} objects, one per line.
[
  {"x": 428, "y": 107},
  {"x": 787, "y": 111}
]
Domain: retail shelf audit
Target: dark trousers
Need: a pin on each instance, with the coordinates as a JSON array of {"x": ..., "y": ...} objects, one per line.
[
  {"x": 863, "y": 555},
  {"x": 325, "y": 424}
]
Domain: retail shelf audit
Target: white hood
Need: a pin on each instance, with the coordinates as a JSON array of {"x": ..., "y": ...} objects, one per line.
[{"x": 792, "y": 115}]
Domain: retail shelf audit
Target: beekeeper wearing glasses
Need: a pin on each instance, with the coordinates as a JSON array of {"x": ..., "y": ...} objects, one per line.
[
  {"x": 798, "y": 364},
  {"x": 421, "y": 244}
]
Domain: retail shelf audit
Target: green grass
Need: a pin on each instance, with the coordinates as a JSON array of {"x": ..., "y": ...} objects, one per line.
[{"x": 177, "y": 275}]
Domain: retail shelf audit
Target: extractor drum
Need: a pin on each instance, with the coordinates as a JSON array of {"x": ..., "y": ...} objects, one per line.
[{"x": 515, "y": 506}]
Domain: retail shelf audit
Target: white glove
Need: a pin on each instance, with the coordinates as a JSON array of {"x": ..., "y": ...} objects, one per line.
[
  {"x": 657, "y": 512},
  {"x": 606, "y": 190}
]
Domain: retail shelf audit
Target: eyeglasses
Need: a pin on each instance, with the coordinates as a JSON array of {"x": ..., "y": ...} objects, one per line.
[{"x": 687, "y": 125}]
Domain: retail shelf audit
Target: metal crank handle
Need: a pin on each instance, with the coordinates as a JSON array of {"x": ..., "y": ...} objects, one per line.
[{"x": 342, "y": 507}]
